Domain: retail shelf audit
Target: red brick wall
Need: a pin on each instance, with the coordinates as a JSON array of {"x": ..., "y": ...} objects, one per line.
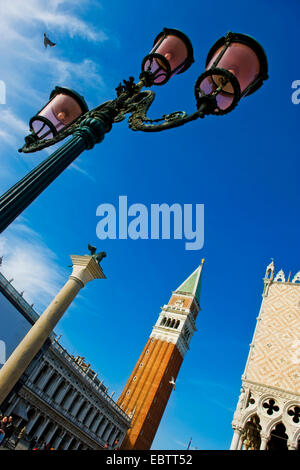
[{"x": 149, "y": 392}]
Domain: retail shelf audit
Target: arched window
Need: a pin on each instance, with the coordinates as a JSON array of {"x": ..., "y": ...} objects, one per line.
[
  {"x": 251, "y": 434},
  {"x": 278, "y": 438},
  {"x": 269, "y": 273}
]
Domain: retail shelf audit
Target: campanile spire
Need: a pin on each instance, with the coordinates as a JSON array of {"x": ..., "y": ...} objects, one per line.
[{"x": 148, "y": 389}]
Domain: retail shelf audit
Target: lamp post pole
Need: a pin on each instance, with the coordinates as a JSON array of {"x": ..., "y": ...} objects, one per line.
[
  {"x": 236, "y": 66},
  {"x": 85, "y": 269},
  {"x": 22, "y": 194}
]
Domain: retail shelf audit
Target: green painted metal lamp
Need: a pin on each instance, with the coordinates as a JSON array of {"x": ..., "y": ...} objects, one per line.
[
  {"x": 236, "y": 67},
  {"x": 172, "y": 53},
  {"x": 63, "y": 108}
]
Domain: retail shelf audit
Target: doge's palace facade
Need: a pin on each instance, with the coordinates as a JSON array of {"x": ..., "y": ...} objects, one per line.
[{"x": 267, "y": 416}]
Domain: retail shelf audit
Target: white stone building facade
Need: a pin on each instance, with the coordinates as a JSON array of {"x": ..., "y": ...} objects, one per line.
[
  {"x": 267, "y": 416},
  {"x": 60, "y": 401}
]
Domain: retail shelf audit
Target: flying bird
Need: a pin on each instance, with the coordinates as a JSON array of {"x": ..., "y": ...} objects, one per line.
[
  {"x": 172, "y": 382},
  {"x": 47, "y": 41}
]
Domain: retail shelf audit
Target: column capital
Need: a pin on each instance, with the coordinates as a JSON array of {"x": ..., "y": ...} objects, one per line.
[
  {"x": 237, "y": 427},
  {"x": 85, "y": 269},
  {"x": 292, "y": 445}
]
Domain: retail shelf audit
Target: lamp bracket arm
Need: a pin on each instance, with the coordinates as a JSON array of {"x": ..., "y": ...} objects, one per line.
[{"x": 139, "y": 121}]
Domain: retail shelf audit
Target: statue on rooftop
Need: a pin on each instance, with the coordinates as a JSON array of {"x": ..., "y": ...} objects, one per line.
[{"x": 97, "y": 256}]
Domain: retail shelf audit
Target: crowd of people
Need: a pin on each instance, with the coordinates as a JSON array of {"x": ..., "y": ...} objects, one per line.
[
  {"x": 39, "y": 445},
  {"x": 8, "y": 429}
]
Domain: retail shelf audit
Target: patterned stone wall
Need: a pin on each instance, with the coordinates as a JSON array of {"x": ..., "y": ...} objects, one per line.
[
  {"x": 274, "y": 358},
  {"x": 268, "y": 410}
]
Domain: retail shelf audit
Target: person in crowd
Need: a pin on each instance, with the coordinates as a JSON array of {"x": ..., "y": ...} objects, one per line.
[
  {"x": 116, "y": 444},
  {"x": 20, "y": 435},
  {"x": 3, "y": 425},
  {"x": 9, "y": 429}
]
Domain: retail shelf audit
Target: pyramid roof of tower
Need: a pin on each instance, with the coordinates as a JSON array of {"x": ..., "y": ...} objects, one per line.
[{"x": 192, "y": 285}]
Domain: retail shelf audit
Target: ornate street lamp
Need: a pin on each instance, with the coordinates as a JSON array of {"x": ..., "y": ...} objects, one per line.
[
  {"x": 62, "y": 109},
  {"x": 236, "y": 66},
  {"x": 172, "y": 53}
]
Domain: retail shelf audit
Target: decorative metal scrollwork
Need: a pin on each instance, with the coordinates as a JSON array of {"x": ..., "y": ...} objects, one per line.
[{"x": 130, "y": 100}]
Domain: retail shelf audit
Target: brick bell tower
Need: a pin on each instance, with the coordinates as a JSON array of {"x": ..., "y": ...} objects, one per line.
[{"x": 148, "y": 389}]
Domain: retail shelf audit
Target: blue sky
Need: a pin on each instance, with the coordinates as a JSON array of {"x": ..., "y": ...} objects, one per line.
[{"x": 244, "y": 167}]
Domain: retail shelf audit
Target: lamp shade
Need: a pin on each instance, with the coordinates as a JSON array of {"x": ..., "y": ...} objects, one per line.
[
  {"x": 236, "y": 66},
  {"x": 172, "y": 53},
  {"x": 64, "y": 107}
]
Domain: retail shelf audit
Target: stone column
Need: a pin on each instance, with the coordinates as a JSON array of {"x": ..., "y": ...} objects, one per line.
[
  {"x": 50, "y": 381},
  {"x": 42, "y": 427},
  {"x": 235, "y": 439},
  {"x": 51, "y": 433},
  {"x": 113, "y": 437},
  {"x": 107, "y": 432},
  {"x": 58, "y": 439},
  {"x": 96, "y": 423},
  {"x": 84, "y": 412},
  {"x": 67, "y": 443},
  {"x": 241, "y": 442},
  {"x": 102, "y": 428},
  {"x": 110, "y": 434},
  {"x": 263, "y": 441},
  {"x": 62, "y": 393},
  {"x": 36, "y": 372},
  {"x": 45, "y": 377},
  {"x": 77, "y": 445},
  {"x": 12, "y": 405},
  {"x": 92, "y": 416},
  {"x": 33, "y": 420},
  {"x": 77, "y": 406},
  {"x": 292, "y": 445},
  {"x": 55, "y": 385},
  {"x": 70, "y": 399},
  {"x": 85, "y": 269}
]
